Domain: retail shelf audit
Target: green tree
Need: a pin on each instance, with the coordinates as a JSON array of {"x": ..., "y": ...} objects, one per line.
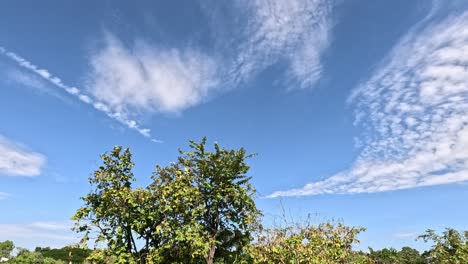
[
  {"x": 5, "y": 248},
  {"x": 25, "y": 256},
  {"x": 449, "y": 247},
  {"x": 406, "y": 255},
  {"x": 176, "y": 198},
  {"x": 100, "y": 256},
  {"x": 360, "y": 257},
  {"x": 384, "y": 256},
  {"x": 113, "y": 211},
  {"x": 195, "y": 210},
  {"x": 409, "y": 255},
  {"x": 69, "y": 253},
  {"x": 208, "y": 202}
]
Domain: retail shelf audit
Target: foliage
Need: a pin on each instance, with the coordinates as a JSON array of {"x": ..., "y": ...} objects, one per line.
[
  {"x": 114, "y": 210},
  {"x": 5, "y": 248},
  {"x": 217, "y": 213},
  {"x": 100, "y": 256},
  {"x": 25, "y": 256},
  {"x": 359, "y": 257},
  {"x": 201, "y": 209},
  {"x": 290, "y": 244},
  {"x": 198, "y": 208},
  {"x": 178, "y": 206},
  {"x": 449, "y": 247},
  {"x": 324, "y": 243},
  {"x": 68, "y": 254},
  {"x": 384, "y": 256},
  {"x": 409, "y": 255},
  {"x": 406, "y": 255}
]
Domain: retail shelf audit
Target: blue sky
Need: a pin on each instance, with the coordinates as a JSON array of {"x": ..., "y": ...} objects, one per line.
[{"x": 357, "y": 109}]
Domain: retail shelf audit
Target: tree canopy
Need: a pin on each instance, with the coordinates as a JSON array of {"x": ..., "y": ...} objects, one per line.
[
  {"x": 199, "y": 207},
  {"x": 449, "y": 247},
  {"x": 5, "y": 248}
]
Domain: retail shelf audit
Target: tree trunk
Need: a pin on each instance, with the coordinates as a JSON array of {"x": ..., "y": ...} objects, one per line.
[{"x": 211, "y": 253}]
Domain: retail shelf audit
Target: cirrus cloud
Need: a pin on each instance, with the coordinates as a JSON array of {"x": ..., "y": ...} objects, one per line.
[
  {"x": 3, "y": 195},
  {"x": 414, "y": 114},
  {"x": 16, "y": 160},
  {"x": 298, "y": 31},
  {"x": 30, "y": 235},
  {"x": 262, "y": 33}
]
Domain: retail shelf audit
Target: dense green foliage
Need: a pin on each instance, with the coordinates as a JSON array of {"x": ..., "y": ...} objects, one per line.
[
  {"x": 45, "y": 255},
  {"x": 293, "y": 243},
  {"x": 198, "y": 208},
  {"x": 5, "y": 248},
  {"x": 113, "y": 208},
  {"x": 25, "y": 256},
  {"x": 406, "y": 255},
  {"x": 449, "y": 247},
  {"x": 206, "y": 201},
  {"x": 73, "y": 254},
  {"x": 324, "y": 243}
]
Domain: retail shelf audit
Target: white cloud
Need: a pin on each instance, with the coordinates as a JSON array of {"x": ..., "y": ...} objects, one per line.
[
  {"x": 31, "y": 235},
  {"x": 3, "y": 195},
  {"x": 25, "y": 79},
  {"x": 31, "y": 81},
  {"x": 406, "y": 235},
  {"x": 414, "y": 111},
  {"x": 15, "y": 231},
  {"x": 74, "y": 91},
  {"x": 297, "y": 30},
  {"x": 150, "y": 79},
  {"x": 16, "y": 160},
  {"x": 53, "y": 225}
]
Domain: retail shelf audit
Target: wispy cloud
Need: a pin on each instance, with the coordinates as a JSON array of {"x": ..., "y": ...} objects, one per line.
[
  {"x": 414, "y": 114},
  {"x": 298, "y": 31},
  {"x": 43, "y": 233},
  {"x": 25, "y": 79},
  {"x": 3, "y": 195},
  {"x": 16, "y": 160},
  {"x": 405, "y": 235},
  {"x": 151, "y": 79},
  {"x": 34, "y": 82},
  {"x": 262, "y": 33},
  {"x": 77, "y": 93},
  {"x": 67, "y": 225}
]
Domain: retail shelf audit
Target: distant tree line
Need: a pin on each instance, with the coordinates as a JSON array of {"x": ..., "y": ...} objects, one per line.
[
  {"x": 46, "y": 255},
  {"x": 281, "y": 245},
  {"x": 201, "y": 209}
]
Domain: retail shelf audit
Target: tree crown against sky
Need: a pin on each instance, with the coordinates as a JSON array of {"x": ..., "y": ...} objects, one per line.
[{"x": 199, "y": 207}]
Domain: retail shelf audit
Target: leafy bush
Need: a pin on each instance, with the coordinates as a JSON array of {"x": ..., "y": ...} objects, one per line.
[
  {"x": 324, "y": 243},
  {"x": 449, "y": 247}
]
